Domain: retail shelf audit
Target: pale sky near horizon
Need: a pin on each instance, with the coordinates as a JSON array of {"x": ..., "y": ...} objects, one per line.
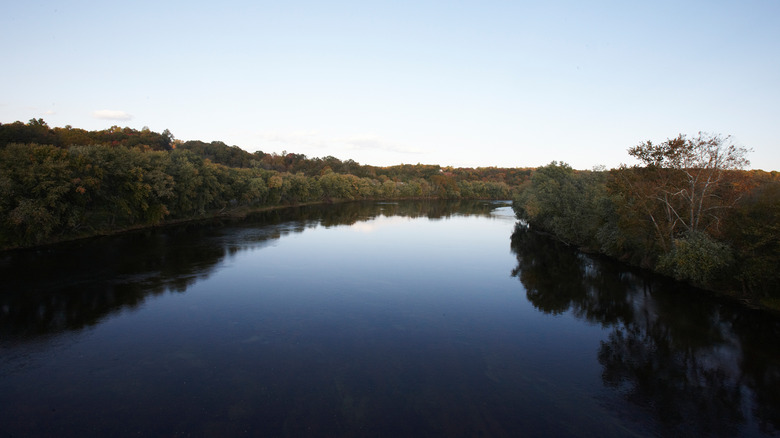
[{"x": 460, "y": 83}]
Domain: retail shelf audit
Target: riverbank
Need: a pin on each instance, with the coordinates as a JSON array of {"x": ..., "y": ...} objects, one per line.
[
  {"x": 769, "y": 304},
  {"x": 237, "y": 212},
  {"x": 633, "y": 215}
]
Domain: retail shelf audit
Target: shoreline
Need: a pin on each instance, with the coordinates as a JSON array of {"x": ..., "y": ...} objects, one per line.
[{"x": 233, "y": 213}]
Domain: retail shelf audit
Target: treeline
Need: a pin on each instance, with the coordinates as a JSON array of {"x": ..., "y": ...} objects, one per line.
[
  {"x": 52, "y": 192},
  {"x": 688, "y": 211},
  {"x": 38, "y": 131},
  {"x": 233, "y": 156}
]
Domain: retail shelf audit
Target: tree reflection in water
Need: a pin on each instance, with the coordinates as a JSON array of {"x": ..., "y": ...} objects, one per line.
[
  {"x": 701, "y": 366},
  {"x": 70, "y": 286}
]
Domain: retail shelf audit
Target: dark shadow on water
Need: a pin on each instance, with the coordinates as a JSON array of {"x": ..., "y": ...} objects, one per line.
[{"x": 699, "y": 365}]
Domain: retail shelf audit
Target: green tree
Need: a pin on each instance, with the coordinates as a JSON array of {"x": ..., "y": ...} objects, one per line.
[
  {"x": 38, "y": 190},
  {"x": 695, "y": 257},
  {"x": 295, "y": 188},
  {"x": 189, "y": 198},
  {"x": 335, "y": 186},
  {"x": 754, "y": 232},
  {"x": 563, "y": 202}
]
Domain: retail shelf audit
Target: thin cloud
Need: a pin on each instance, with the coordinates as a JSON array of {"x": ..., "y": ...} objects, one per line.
[
  {"x": 111, "y": 115},
  {"x": 376, "y": 143},
  {"x": 295, "y": 141}
]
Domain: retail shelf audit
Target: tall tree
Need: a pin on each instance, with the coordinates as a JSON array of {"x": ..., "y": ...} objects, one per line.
[{"x": 686, "y": 183}]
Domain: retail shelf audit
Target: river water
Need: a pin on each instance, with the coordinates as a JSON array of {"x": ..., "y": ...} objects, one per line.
[{"x": 370, "y": 319}]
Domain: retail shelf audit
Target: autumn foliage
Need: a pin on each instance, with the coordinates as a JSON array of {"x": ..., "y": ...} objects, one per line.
[
  {"x": 688, "y": 211},
  {"x": 64, "y": 183}
]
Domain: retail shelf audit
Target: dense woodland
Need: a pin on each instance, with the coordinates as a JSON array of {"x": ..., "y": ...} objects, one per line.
[
  {"x": 688, "y": 211},
  {"x": 63, "y": 183}
]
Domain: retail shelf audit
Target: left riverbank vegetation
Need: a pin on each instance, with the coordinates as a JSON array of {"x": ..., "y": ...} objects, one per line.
[
  {"x": 64, "y": 183},
  {"x": 689, "y": 210}
]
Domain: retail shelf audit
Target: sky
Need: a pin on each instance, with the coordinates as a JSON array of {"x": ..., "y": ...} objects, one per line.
[{"x": 454, "y": 83}]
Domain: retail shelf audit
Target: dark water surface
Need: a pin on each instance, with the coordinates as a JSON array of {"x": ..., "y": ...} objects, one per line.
[{"x": 370, "y": 319}]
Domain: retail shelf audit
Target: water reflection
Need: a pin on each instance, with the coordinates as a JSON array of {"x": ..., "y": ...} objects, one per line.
[
  {"x": 75, "y": 285},
  {"x": 700, "y": 366},
  {"x": 413, "y": 330}
]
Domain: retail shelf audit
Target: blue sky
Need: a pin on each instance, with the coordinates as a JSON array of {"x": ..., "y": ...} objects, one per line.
[{"x": 461, "y": 83}]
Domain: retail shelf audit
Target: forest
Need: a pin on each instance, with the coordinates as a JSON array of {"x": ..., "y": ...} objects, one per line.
[
  {"x": 688, "y": 211},
  {"x": 64, "y": 183}
]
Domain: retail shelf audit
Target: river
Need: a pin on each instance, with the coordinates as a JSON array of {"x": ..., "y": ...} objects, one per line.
[{"x": 370, "y": 319}]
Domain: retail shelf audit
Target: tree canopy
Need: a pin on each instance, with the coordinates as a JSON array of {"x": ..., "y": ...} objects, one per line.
[
  {"x": 688, "y": 211},
  {"x": 62, "y": 183}
]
